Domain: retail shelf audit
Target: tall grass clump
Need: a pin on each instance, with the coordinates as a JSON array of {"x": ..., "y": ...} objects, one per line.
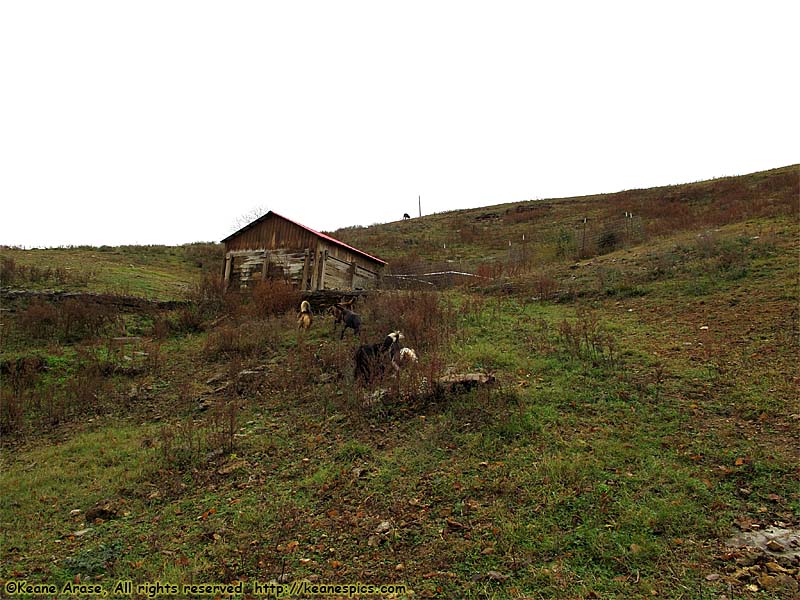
[
  {"x": 246, "y": 339},
  {"x": 424, "y": 319},
  {"x": 68, "y": 321},
  {"x": 587, "y": 339},
  {"x": 12, "y": 273},
  {"x": 208, "y": 295},
  {"x": 273, "y": 297}
]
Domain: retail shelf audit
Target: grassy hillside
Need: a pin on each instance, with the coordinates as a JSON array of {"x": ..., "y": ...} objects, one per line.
[
  {"x": 645, "y": 410},
  {"x": 544, "y": 232},
  {"x": 158, "y": 272}
]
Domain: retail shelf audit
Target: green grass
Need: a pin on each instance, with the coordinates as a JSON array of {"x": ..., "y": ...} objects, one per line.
[
  {"x": 575, "y": 476},
  {"x": 156, "y": 272}
]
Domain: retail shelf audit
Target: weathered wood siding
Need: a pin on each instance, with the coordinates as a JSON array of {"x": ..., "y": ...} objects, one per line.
[
  {"x": 342, "y": 275},
  {"x": 250, "y": 266},
  {"x": 277, "y": 248},
  {"x": 272, "y": 234},
  {"x": 366, "y": 279}
]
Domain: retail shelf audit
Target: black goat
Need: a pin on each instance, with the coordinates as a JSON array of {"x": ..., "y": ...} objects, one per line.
[
  {"x": 348, "y": 317},
  {"x": 372, "y": 359}
]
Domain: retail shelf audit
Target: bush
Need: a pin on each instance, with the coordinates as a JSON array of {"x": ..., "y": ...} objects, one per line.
[
  {"x": 420, "y": 316},
  {"x": 8, "y": 271},
  {"x": 273, "y": 297},
  {"x": 608, "y": 241},
  {"x": 39, "y": 320},
  {"x": 247, "y": 339},
  {"x": 80, "y": 320},
  {"x": 588, "y": 339},
  {"x": 13, "y": 273},
  {"x": 70, "y": 321},
  {"x": 545, "y": 286},
  {"x": 208, "y": 296}
]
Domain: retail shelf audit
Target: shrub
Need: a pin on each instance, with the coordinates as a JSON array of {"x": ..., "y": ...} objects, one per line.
[
  {"x": 18, "y": 377},
  {"x": 588, "y": 339},
  {"x": 70, "y": 321},
  {"x": 608, "y": 241},
  {"x": 8, "y": 270},
  {"x": 189, "y": 319},
  {"x": 420, "y": 316},
  {"x": 39, "y": 320},
  {"x": 273, "y": 297},
  {"x": 545, "y": 286},
  {"x": 566, "y": 246},
  {"x": 208, "y": 296},
  {"x": 80, "y": 320},
  {"x": 489, "y": 269},
  {"x": 11, "y": 273},
  {"x": 246, "y": 339}
]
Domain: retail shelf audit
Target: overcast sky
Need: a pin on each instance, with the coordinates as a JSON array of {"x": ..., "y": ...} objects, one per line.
[{"x": 166, "y": 122}]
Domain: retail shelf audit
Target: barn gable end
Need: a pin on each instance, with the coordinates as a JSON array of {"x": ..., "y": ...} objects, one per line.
[{"x": 273, "y": 246}]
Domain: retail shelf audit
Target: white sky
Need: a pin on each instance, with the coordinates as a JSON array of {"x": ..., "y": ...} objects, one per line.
[{"x": 166, "y": 121}]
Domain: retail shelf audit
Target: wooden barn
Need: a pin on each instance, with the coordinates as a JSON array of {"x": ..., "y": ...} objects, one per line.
[{"x": 273, "y": 246}]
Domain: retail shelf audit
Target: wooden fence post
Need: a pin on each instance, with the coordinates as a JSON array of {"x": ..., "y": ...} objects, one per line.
[{"x": 305, "y": 284}]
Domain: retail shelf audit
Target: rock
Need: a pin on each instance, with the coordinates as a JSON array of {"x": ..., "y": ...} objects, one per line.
[
  {"x": 768, "y": 582},
  {"x": 204, "y": 404},
  {"x": 463, "y": 382},
  {"x": 384, "y": 527},
  {"x": 82, "y": 532},
  {"x": 231, "y": 466},
  {"x": 221, "y": 389},
  {"x": 216, "y": 378},
  {"x": 248, "y": 380},
  {"x": 490, "y": 576},
  {"x": 783, "y": 545},
  {"x": 774, "y": 546},
  {"x": 774, "y": 567},
  {"x": 748, "y": 558}
]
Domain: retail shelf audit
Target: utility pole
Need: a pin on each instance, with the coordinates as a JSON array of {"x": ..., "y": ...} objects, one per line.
[{"x": 419, "y": 199}]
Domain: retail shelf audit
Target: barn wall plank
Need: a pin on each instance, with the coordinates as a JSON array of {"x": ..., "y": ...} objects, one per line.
[{"x": 298, "y": 255}]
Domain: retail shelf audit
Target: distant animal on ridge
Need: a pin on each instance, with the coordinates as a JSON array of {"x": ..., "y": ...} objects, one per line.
[
  {"x": 348, "y": 317},
  {"x": 406, "y": 216},
  {"x": 371, "y": 360},
  {"x": 304, "y": 317}
]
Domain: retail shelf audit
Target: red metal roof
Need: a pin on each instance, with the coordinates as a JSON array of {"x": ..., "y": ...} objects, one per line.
[{"x": 317, "y": 233}]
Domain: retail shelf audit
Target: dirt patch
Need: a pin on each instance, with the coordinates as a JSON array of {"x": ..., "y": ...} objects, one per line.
[
  {"x": 781, "y": 544},
  {"x": 766, "y": 559}
]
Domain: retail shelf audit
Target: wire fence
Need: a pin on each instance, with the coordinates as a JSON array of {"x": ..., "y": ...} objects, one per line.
[
  {"x": 592, "y": 237},
  {"x": 585, "y": 238}
]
